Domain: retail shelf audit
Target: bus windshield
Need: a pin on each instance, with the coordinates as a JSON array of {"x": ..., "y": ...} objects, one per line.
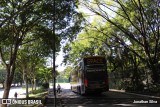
[{"x": 95, "y": 68}]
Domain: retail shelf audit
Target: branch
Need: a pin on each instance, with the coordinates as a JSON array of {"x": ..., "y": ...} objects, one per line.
[
  {"x": 121, "y": 28},
  {"x": 128, "y": 18},
  {"x": 29, "y": 41},
  {"x": 2, "y": 56},
  {"x": 129, "y": 48},
  {"x": 149, "y": 23},
  {"x": 157, "y": 48},
  {"x": 26, "y": 5}
]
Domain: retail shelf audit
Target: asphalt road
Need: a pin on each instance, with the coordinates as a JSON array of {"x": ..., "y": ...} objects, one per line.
[
  {"x": 106, "y": 99},
  {"x": 19, "y": 90}
]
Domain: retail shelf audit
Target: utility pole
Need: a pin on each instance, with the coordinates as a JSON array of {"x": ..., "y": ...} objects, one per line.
[{"x": 54, "y": 49}]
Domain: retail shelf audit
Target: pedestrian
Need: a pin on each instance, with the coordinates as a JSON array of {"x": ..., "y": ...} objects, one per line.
[
  {"x": 15, "y": 95},
  {"x": 58, "y": 88}
]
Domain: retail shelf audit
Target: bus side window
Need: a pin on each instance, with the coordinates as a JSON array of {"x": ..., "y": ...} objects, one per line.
[{"x": 81, "y": 65}]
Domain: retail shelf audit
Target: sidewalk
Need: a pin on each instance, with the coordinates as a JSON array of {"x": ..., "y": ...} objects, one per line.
[
  {"x": 123, "y": 91},
  {"x": 50, "y": 99}
]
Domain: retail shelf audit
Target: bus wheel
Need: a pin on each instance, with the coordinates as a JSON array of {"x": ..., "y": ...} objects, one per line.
[{"x": 79, "y": 89}]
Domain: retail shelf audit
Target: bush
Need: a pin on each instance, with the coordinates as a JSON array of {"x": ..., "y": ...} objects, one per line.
[
  {"x": 37, "y": 91},
  {"x": 155, "y": 88},
  {"x": 45, "y": 85}
]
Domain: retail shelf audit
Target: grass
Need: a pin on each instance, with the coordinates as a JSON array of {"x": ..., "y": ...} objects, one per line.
[
  {"x": 29, "y": 89},
  {"x": 16, "y": 105},
  {"x": 40, "y": 93}
]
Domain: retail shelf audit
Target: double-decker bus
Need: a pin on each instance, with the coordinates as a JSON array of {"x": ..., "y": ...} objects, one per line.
[{"x": 90, "y": 75}]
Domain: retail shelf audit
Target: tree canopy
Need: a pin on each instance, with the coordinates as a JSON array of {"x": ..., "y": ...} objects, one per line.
[
  {"x": 127, "y": 33},
  {"x": 26, "y": 22}
]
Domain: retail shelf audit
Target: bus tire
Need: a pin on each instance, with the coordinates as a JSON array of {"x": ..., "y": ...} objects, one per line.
[{"x": 79, "y": 90}]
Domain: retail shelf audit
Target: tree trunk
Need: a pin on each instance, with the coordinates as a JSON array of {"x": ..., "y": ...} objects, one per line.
[
  {"x": 6, "y": 91},
  {"x": 26, "y": 83},
  {"x": 135, "y": 73},
  {"x": 7, "y": 87},
  {"x": 25, "y": 79},
  {"x": 3, "y": 85},
  {"x": 21, "y": 83},
  {"x": 8, "y": 82},
  {"x": 34, "y": 84},
  {"x": 155, "y": 74}
]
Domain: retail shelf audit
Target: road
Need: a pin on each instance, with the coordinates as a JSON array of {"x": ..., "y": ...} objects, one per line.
[
  {"x": 19, "y": 90},
  {"x": 106, "y": 99}
]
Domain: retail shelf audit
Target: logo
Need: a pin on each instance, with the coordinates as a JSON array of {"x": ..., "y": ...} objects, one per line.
[{"x": 6, "y": 101}]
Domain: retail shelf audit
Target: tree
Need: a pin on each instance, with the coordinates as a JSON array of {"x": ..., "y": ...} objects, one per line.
[
  {"x": 120, "y": 36},
  {"x": 5, "y": 18},
  {"x": 34, "y": 20},
  {"x": 17, "y": 79},
  {"x": 67, "y": 71},
  {"x": 13, "y": 33},
  {"x": 138, "y": 22},
  {"x": 88, "y": 43},
  {"x": 2, "y": 74},
  {"x": 64, "y": 75},
  {"x": 45, "y": 75},
  {"x": 29, "y": 58}
]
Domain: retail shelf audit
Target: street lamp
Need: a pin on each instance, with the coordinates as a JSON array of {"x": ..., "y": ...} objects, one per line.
[{"x": 53, "y": 41}]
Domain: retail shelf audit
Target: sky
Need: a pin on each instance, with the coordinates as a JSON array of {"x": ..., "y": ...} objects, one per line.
[{"x": 59, "y": 60}]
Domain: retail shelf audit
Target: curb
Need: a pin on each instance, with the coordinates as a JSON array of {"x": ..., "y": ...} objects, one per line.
[{"x": 123, "y": 91}]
